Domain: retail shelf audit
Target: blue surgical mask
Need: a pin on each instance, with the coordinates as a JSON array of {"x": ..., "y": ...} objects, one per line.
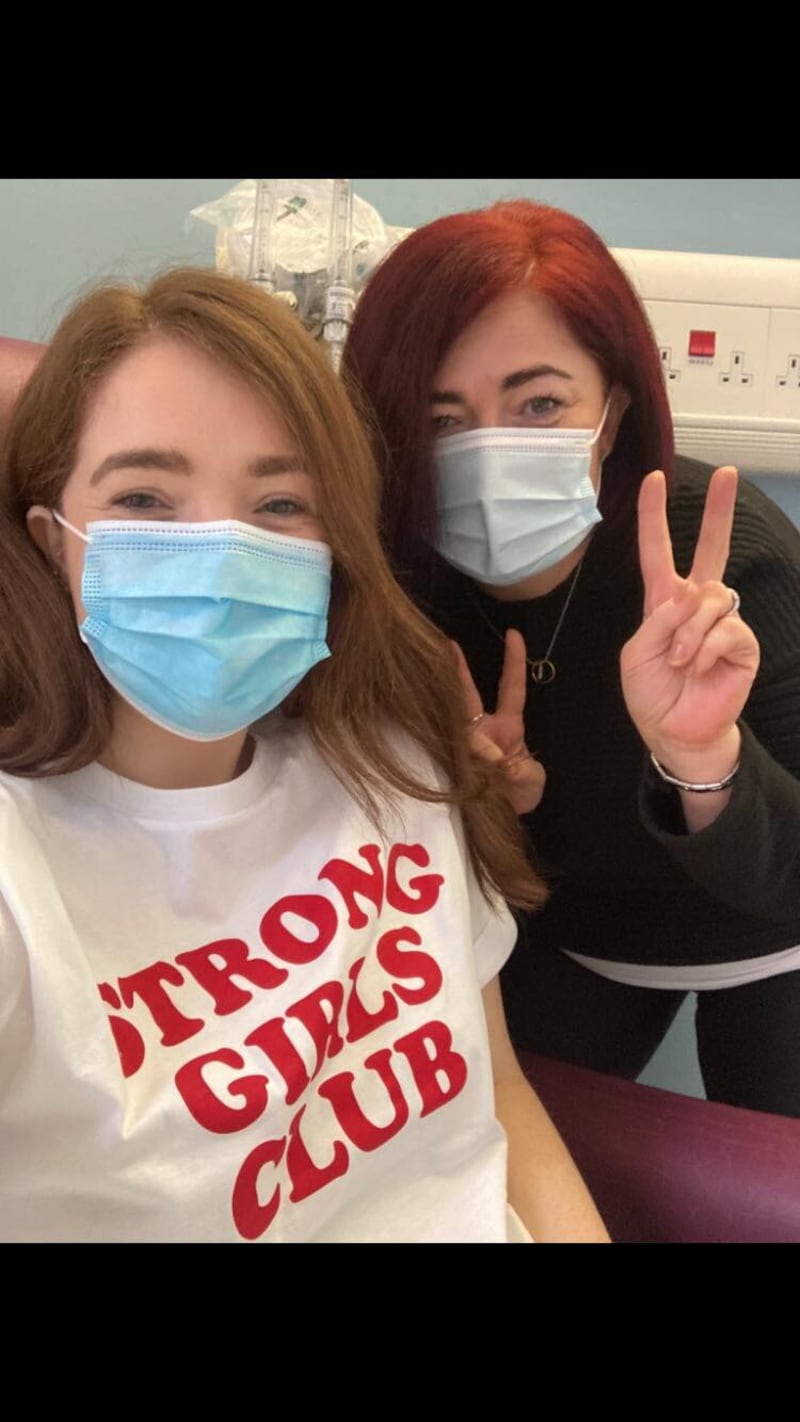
[
  {"x": 203, "y": 627},
  {"x": 514, "y": 502}
]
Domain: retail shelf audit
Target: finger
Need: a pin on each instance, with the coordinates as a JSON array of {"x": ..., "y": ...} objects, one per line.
[
  {"x": 473, "y": 706},
  {"x": 714, "y": 539},
  {"x": 525, "y": 784},
  {"x": 658, "y": 630},
  {"x": 714, "y": 603},
  {"x": 730, "y": 640},
  {"x": 513, "y": 681},
  {"x": 481, "y": 745},
  {"x": 655, "y": 544},
  {"x": 518, "y": 754},
  {"x": 527, "y": 770}
]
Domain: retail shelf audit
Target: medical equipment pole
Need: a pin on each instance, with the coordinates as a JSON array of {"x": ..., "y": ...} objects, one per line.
[
  {"x": 339, "y": 294},
  {"x": 262, "y": 262}
]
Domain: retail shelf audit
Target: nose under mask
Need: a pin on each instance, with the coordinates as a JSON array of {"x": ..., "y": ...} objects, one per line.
[
  {"x": 514, "y": 502},
  {"x": 202, "y": 627}
]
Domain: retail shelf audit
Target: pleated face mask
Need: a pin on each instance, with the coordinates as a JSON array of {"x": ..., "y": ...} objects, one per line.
[
  {"x": 203, "y": 627},
  {"x": 514, "y": 502}
]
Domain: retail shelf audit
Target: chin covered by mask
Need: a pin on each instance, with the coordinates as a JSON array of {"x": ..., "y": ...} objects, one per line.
[
  {"x": 514, "y": 502},
  {"x": 203, "y": 627}
]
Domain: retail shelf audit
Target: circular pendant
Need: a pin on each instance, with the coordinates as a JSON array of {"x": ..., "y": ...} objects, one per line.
[{"x": 542, "y": 671}]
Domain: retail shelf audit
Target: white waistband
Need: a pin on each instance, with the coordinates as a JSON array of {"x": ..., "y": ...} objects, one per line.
[{"x": 694, "y": 978}]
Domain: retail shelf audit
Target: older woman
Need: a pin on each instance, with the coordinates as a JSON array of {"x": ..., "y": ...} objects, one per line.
[
  {"x": 523, "y": 419},
  {"x": 249, "y": 984}
]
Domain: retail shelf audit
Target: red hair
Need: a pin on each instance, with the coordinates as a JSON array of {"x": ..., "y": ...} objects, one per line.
[{"x": 429, "y": 289}]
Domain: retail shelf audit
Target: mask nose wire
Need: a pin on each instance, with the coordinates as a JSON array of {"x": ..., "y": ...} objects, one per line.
[{"x": 66, "y": 524}]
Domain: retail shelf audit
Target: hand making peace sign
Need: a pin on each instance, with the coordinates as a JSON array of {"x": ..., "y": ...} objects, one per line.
[
  {"x": 499, "y": 736},
  {"x": 687, "y": 672}
]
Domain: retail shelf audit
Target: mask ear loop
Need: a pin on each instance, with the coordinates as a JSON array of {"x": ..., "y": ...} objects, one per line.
[
  {"x": 593, "y": 441},
  {"x": 595, "y": 437},
  {"x": 66, "y": 524}
]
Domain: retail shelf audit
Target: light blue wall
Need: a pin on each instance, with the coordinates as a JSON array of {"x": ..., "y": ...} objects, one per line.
[
  {"x": 58, "y": 234},
  {"x": 746, "y": 216},
  {"x": 785, "y": 492}
]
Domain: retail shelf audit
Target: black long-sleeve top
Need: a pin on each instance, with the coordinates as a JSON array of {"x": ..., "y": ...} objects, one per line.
[{"x": 628, "y": 882}]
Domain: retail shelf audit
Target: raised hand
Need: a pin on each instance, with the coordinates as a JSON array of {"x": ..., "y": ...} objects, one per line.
[
  {"x": 499, "y": 736},
  {"x": 687, "y": 672}
]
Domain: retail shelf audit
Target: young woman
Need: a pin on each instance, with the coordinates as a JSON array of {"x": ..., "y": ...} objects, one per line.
[
  {"x": 249, "y": 983},
  {"x": 521, "y": 404}
]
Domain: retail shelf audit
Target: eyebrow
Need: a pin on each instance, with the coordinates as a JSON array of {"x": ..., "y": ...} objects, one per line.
[
  {"x": 173, "y": 462},
  {"x": 269, "y": 464},
  {"x": 510, "y": 382}
]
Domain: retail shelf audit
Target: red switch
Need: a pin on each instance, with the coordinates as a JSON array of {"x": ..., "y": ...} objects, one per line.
[{"x": 702, "y": 343}]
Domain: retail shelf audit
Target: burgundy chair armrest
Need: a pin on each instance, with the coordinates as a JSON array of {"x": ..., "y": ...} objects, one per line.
[
  {"x": 670, "y": 1169},
  {"x": 17, "y": 361}
]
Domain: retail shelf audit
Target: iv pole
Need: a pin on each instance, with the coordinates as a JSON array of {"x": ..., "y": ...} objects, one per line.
[{"x": 339, "y": 295}]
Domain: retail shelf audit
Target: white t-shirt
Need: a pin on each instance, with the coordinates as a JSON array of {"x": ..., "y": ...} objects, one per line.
[{"x": 297, "y": 1048}]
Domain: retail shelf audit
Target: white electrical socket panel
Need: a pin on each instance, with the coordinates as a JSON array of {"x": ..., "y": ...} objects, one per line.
[{"x": 728, "y": 329}]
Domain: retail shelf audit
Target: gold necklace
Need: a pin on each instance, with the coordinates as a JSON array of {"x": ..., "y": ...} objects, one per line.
[{"x": 542, "y": 669}]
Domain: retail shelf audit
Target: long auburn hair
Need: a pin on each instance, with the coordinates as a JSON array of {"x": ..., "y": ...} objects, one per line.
[
  {"x": 429, "y": 289},
  {"x": 388, "y": 664}
]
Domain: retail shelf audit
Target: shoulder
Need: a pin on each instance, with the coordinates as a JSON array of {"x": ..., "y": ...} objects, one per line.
[
  {"x": 289, "y": 739},
  {"x": 23, "y": 869},
  {"x": 17, "y": 792},
  {"x": 762, "y": 534},
  {"x": 314, "y": 785},
  {"x": 415, "y": 759}
]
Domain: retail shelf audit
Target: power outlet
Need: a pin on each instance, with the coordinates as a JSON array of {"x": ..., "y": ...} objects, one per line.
[
  {"x": 728, "y": 334},
  {"x": 791, "y": 380},
  {"x": 670, "y": 373},
  {"x": 782, "y": 394},
  {"x": 727, "y": 383},
  {"x": 736, "y": 373}
]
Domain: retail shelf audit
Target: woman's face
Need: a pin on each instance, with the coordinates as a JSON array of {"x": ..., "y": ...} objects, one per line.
[
  {"x": 172, "y": 435},
  {"x": 518, "y": 365}
]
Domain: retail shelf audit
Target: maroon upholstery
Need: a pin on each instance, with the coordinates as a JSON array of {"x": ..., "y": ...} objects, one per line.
[
  {"x": 17, "y": 360},
  {"x": 670, "y": 1169}
]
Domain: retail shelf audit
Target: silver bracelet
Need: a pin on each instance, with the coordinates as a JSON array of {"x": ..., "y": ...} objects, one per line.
[{"x": 696, "y": 789}]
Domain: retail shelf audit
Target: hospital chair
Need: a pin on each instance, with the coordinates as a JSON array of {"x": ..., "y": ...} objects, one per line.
[
  {"x": 670, "y": 1169},
  {"x": 17, "y": 360}
]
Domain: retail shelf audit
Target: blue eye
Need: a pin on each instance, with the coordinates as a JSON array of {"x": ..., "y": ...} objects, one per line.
[
  {"x": 540, "y": 406},
  {"x": 282, "y": 507},
  {"x": 443, "y": 424},
  {"x": 137, "y": 503}
]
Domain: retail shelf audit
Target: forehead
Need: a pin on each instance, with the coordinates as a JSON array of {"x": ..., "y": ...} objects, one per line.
[
  {"x": 168, "y": 391},
  {"x": 517, "y": 331}
]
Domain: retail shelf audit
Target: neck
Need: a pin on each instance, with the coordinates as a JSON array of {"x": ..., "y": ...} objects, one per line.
[
  {"x": 540, "y": 583},
  {"x": 141, "y": 751}
]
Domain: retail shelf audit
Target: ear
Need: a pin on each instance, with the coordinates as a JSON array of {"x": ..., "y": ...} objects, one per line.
[
  {"x": 47, "y": 535},
  {"x": 618, "y": 403}
]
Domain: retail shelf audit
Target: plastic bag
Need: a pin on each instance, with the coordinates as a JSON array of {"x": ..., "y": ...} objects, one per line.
[{"x": 300, "y": 238}]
